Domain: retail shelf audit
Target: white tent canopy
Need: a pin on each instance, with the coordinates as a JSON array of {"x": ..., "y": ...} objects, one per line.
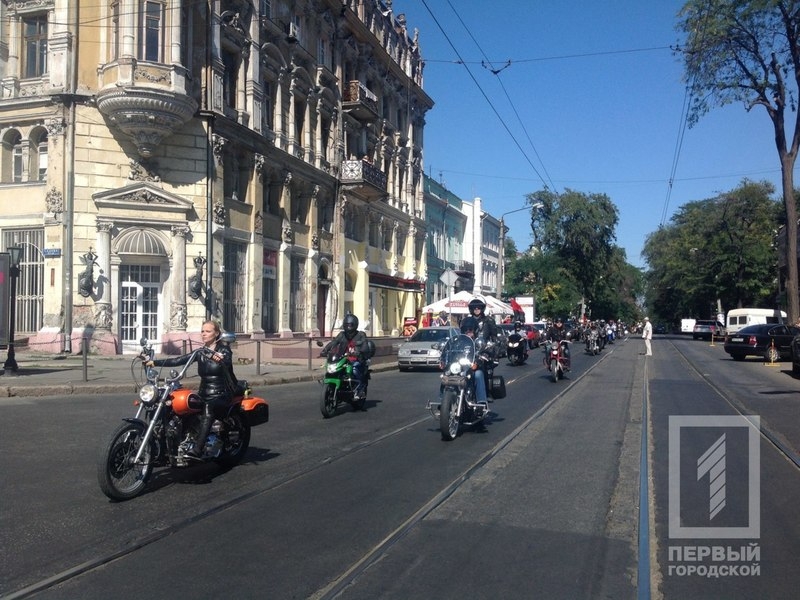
[{"x": 458, "y": 304}]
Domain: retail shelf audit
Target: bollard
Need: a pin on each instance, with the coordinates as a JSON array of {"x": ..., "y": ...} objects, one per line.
[
  {"x": 310, "y": 339},
  {"x": 85, "y": 363},
  {"x": 258, "y": 357},
  {"x": 183, "y": 347}
]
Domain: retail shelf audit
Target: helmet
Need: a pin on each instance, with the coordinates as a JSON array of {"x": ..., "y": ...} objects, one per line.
[
  {"x": 517, "y": 326},
  {"x": 477, "y": 302},
  {"x": 469, "y": 324},
  {"x": 350, "y": 323}
]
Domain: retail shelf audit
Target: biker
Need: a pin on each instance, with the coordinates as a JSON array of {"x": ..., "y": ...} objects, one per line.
[
  {"x": 353, "y": 343},
  {"x": 487, "y": 328},
  {"x": 469, "y": 327},
  {"x": 217, "y": 380},
  {"x": 557, "y": 333},
  {"x": 519, "y": 330}
]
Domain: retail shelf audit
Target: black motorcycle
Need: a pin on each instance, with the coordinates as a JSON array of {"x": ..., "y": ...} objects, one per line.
[{"x": 517, "y": 352}]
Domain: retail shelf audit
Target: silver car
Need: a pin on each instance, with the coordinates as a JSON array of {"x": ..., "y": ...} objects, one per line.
[{"x": 423, "y": 348}]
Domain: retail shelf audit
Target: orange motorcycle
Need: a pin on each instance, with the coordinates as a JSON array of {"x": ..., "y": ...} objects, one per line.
[{"x": 162, "y": 432}]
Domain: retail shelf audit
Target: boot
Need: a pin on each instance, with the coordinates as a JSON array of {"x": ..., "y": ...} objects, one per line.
[{"x": 205, "y": 425}]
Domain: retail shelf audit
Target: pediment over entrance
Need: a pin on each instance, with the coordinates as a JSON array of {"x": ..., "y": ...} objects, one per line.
[{"x": 143, "y": 196}]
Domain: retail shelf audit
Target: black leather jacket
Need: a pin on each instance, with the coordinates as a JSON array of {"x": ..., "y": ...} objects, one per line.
[{"x": 217, "y": 381}]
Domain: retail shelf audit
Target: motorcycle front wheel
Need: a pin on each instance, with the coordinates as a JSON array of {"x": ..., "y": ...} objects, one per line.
[
  {"x": 448, "y": 415},
  {"x": 118, "y": 476},
  {"x": 237, "y": 444},
  {"x": 327, "y": 404}
]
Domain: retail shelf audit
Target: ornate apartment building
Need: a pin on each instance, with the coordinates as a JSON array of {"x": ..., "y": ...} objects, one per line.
[{"x": 166, "y": 161}]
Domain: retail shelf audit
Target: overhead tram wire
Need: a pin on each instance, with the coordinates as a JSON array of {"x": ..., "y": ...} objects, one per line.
[
  {"x": 486, "y": 97},
  {"x": 496, "y": 72},
  {"x": 677, "y": 153}
]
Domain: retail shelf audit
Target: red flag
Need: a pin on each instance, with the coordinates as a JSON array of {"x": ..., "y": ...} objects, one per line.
[{"x": 515, "y": 305}]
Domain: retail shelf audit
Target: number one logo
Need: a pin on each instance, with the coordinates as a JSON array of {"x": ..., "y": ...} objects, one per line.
[{"x": 713, "y": 463}]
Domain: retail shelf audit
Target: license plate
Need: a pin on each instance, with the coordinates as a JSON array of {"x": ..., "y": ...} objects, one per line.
[{"x": 737, "y": 339}]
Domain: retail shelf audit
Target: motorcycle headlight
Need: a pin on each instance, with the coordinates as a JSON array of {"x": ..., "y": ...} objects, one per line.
[
  {"x": 148, "y": 393},
  {"x": 332, "y": 368},
  {"x": 455, "y": 369}
]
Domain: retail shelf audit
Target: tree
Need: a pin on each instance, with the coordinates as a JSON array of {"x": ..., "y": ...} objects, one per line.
[
  {"x": 749, "y": 51},
  {"x": 720, "y": 249}
]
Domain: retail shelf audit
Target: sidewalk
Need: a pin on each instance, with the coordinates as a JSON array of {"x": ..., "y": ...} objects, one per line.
[{"x": 59, "y": 375}]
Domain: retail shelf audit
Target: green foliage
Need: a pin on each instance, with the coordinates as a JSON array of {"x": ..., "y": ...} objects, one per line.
[
  {"x": 573, "y": 257},
  {"x": 720, "y": 248}
]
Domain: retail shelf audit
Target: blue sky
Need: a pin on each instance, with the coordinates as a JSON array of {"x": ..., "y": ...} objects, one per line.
[{"x": 592, "y": 100}]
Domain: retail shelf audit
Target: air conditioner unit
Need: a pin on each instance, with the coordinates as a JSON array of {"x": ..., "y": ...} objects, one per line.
[{"x": 293, "y": 33}]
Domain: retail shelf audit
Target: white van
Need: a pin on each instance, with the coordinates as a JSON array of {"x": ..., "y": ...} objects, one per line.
[{"x": 742, "y": 317}]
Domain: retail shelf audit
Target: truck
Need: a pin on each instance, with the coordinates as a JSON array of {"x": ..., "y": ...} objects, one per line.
[
  {"x": 528, "y": 305},
  {"x": 687, "y": 325}
]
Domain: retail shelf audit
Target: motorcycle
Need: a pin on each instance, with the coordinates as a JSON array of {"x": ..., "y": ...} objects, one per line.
[
  {"x": 517, "y": 352},
  {"x": 593, "y": 342},
  {"x": 338, "y": 383},
  {"x": 555, "y": 361},
  {"x": 457, "y": 406},
  {"x": 163, "y": 430}
]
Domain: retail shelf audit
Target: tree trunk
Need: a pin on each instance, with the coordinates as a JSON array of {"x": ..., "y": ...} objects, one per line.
[{"x": 792, "y": 294}]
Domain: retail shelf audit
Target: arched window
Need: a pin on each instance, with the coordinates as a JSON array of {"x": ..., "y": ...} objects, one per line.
[
  {"x": 17, "y": 160},
  {"x": 39, "y": 158}
]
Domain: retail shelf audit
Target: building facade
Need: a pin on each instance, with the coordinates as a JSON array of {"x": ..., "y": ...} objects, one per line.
[
  {"x": 165, "y": 161},
  {"x": 482, "y": 245}
]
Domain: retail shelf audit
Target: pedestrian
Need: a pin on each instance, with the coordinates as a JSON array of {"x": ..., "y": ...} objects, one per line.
[{"x": 647, "y": 335}]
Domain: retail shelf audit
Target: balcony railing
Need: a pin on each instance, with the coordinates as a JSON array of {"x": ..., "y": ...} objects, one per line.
[
  {"x": 359, "y": 101},
  {"x": 364, "y": 178},
  {"x": 463, "y": 268}
]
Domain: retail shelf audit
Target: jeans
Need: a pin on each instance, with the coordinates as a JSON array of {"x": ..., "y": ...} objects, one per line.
[
  {"x": 480, "y": 385},
  {"x": 358, "y": 374}
]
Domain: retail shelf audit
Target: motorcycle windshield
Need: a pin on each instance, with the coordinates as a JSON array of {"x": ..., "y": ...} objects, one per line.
[{"x": 459, "y": 347}]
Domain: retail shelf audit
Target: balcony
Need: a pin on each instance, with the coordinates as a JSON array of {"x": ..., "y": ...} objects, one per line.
[
  {"x": 359, "y": 102},
  {"x": 464, "y": 268},
  {"x": 364, "y": 179},
  {"x": 145, "y": 101}
]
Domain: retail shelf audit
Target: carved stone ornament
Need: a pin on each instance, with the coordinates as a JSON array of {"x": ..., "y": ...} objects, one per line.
[
  {"x": 103, "y": 318},
  {"x": 143, "y": 171},
  {"x": 55, "y": 127},
  {"x": 315, "y": 241},
  {"x": 259, "y": 223},
  {"x": 259, "y": 163},
  {"x": 54, "y": 201},
  {"x": 218, "y": 147},
  {"x": 219, "y": 213},
  {"x": 178, "y": 317},
  {"x": 145, "y": 196},
  {"x": 287, "y": 232}
]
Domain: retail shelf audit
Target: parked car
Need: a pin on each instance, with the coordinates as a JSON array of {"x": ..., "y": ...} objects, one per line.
[
  {"x": 770, "y": 341},
  {"x": 423, "y": 348},
  {"x": 703, "y": 330},
  {"x": 660, "y": 328}
]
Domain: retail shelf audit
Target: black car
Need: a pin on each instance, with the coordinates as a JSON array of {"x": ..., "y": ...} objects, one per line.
[
  {"x": 796, "y": 355},
  {"x": 771, "y": 341}
]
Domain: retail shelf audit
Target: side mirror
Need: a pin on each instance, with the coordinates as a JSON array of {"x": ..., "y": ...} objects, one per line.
[
  {"x": 320, "y": 344},
  {"x": 228, "y": 337},
  {"x": 143, "y": 342}
]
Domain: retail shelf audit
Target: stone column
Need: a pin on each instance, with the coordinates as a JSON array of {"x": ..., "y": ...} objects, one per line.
[
  {"x": 178, "y": 310},
  {"x": 102, "y": 306}
]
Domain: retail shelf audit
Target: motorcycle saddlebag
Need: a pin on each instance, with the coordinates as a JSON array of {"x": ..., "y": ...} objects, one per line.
[
  {"x": 498, "y": 387},
  {"x": 256, "y": 410}
]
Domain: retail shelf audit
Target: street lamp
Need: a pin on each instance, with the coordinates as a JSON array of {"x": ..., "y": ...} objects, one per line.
[
  {"x": 502, "y": 278},
  {"x": 15, "y": 254}
]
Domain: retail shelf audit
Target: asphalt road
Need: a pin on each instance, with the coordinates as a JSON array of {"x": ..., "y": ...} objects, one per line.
[{"x": 541, "y": 503}]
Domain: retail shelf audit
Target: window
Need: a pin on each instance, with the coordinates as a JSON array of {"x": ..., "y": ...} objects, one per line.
[
  {"x": 266, "y": 9},
  {"x": 17, "y": 159},
  {"x": 151, "y": 29},
  {"x": 233, "y": 292},
  {"x": 41, "y": 155},
  {"x": 35, "y": 44},
  {"x": 115, "y": 30},
  {"x": 269, "y": 322},
  {"x": 297, "y": 297},
  {"x": 230, "y": 78}
]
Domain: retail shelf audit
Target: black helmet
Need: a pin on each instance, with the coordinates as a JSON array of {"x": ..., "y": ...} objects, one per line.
[
  {"x": 469, "y": 324},
  {"x": 350, "y": 323},
  {"x": 517, "y": 326},
  {"x": 477, "y": 302}
]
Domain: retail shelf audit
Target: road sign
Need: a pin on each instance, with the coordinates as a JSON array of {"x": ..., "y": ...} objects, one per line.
[{"x": 449, "y": 277}]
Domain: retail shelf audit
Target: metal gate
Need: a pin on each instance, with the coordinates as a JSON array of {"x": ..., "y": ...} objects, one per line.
[{"x": 29, "y": 316}]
